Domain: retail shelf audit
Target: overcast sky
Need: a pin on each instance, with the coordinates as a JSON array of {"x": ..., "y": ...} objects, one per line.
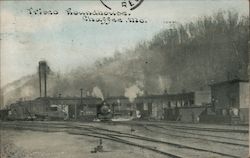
[{"x": 67, "y": 42}]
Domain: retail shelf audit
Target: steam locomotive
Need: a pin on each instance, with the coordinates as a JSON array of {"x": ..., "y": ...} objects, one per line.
[{"x": 104, "y": 112}]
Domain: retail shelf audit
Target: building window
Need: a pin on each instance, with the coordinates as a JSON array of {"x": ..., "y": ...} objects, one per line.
[
  {"x": 233, "y": 102},
  {"x": 53, "y": 108},
  {"x": 145, "y": 106},
  {"x": 191, "y": 102},
  {"x": 185, "y": 103}
]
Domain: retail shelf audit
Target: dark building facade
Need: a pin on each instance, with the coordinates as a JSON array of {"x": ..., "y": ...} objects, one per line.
[
  {"x": 55, "y": 108},
  {"x": 165, "y": 106},
  {"x": 231, "y": 98}
]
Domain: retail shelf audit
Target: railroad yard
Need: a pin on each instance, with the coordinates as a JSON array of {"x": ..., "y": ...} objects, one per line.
[
  {"x": 175, "y": 84},
  {"x": 139, "y": 139}
]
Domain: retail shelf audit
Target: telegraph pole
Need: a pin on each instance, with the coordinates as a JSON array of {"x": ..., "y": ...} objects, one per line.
[
  {"x": 75, "y": 111},
  {"x": 81, "y": 96},
  {"x": 81, "y": 102}
]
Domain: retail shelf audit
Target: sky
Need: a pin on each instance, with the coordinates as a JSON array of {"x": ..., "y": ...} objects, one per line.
[{"x": 67, "y": 42}]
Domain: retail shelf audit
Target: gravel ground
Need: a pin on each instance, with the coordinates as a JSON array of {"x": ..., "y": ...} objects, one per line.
[
  {"x": 8, "y": 149},
  {"x": 34, "y": 144},
  {"x": 37, "y": 144},
  {"x": 203, "y": 144}
]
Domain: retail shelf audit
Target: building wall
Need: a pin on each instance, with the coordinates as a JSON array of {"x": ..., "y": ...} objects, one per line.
[
  {"x": 157, "y": 110},
  {"x": 225, "y": 95},
  {"x": 244, "y": 95},
  {"x": 230, "y": 98},
  {"x": 81, "y": 111},
  {"x": 24, "y": 109},
  {"x": 74, "y": 101},
  {"x": 121, "y": 106},
  {"x": 191, "y": 114},
  {"x": 202, "y": 97},
  {"x": 244, "y": 101}
]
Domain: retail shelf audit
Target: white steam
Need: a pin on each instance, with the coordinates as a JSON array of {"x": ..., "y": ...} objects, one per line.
[
  {"x": 164, "y": 83},
  {"x": 132, "y": 92},
  {"x": 97, "y": 93}
]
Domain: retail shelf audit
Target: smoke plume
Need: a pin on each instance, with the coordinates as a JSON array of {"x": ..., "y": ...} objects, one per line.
[
  {"x": 190, "y": 57},
  {"x": 164, "y": 83},
  {"x": 132, "y": 92},
  {"x": 97, "y": 93}
]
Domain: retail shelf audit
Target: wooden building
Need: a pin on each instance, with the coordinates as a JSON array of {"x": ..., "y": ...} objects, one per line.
[{"x": 231, "y": 98}]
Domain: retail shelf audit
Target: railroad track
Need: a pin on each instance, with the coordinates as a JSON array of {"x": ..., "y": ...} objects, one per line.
[
  {"x": 127, "y": 135},
  {"x": 121, "y": 137},
  {"x": 204, "y": 139},
  {"x": 209, "y": 129},
  {"x": 188, "y": 127},
  {"x": 169, "y": 129},
  {"x": 195, "y": 133},
  {"x": 89, "y": 134},
  {"x": 243, "y": 142}
]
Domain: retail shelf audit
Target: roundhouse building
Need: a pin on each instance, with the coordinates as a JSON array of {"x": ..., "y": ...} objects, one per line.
[
  {"x": 173, "y": 107},
  {"x": 55, "y": 108}
]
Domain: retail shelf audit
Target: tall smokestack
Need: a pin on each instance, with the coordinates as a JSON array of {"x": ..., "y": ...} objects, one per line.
[
  {"x": 248, "y": 66},
  {"x": 43, "y": 70},
  {"x": 45, "y": 81},
  {"x": 40, "y": 80},
  {"x": 248, "y": 70}
]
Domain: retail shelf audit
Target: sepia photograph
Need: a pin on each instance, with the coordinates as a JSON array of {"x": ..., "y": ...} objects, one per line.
[{"x": 124, "y": 78}]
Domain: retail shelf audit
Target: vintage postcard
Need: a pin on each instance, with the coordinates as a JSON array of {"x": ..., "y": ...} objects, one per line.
[{"x": 124, "y": 79}]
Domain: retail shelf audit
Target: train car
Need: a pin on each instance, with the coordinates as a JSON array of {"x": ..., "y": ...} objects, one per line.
[
  {"x": 104, "y": 112},
  {"x": 35, "y": 110}
]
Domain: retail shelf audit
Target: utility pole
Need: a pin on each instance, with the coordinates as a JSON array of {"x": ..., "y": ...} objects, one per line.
[
  {"x": 81, "y": 96},
  {"x": 75, "y": 111},
  {"x": 59, "y": 99},
  {"x": 81, "y": 102}
]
